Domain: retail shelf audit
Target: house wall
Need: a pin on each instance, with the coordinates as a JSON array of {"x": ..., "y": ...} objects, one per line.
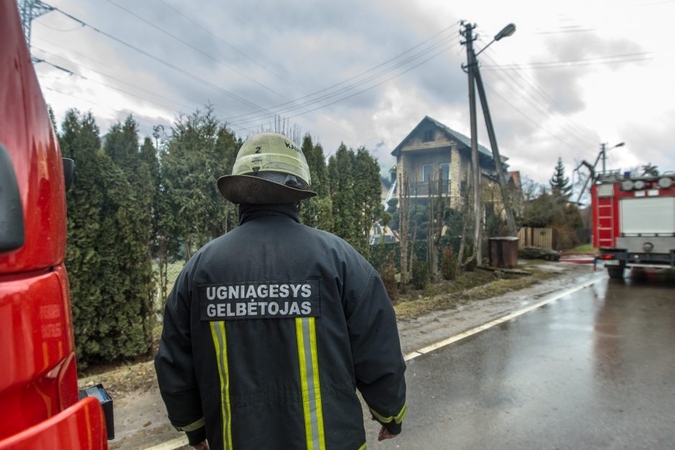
[
  {"x": 431, "y": 145},
  {"x": 415, "y": 164},
  {"x": 412, "y": 162}
]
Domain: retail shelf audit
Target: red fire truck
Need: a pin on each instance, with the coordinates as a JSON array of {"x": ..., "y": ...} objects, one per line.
[
  {"x": 40, "y": 405},
  {"x": 634, "y": 220}
]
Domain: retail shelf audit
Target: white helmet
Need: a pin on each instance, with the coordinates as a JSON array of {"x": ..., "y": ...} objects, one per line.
[{"x": 269, "y": 169}]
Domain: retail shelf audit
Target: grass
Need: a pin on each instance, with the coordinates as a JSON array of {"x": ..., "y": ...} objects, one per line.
[
  {"x": 586, "y": 248},
  {"x": 470, "y": 286}
]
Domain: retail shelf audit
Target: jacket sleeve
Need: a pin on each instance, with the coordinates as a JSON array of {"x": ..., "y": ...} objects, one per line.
[
  {"x": 376, "y": 348},
  {"x": 174, "y": 364}
]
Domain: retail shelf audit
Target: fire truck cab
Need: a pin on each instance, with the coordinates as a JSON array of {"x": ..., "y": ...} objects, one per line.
[
  {"x": 634, "y": 220},
  {"x": 40, "y": 405}
]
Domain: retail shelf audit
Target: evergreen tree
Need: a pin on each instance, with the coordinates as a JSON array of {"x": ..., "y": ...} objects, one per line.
[
  {"x": 368, "y": 196},
  {"x": 223, "y": 156},
  {"x": 108, "y": 236},
  {"x": 121, "y": 144},
  {"x": 317, "y": 165},
  {"x": 193, "y": 161},
  {"x": 148, "y": 157},
  {"x": 316, "y": 212},
  {"x": 341, "y": 173},
  {"x": 356, "y": 193},
  {"x": 560, "y": 184},
  {"x": 130, "y": 212},
  {"x": 540, "y": 212},
  {"x": 79, "y": 140}
]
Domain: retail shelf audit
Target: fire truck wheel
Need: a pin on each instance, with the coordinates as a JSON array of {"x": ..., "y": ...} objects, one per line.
[{"x": 616, "y": 272}]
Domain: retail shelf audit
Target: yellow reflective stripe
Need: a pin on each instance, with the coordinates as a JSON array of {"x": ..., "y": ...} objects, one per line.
[
  {"x": 305, "y": 330},
  {"x": 193, "y": 426},
  {"x": 398, "y": 418},
  {"x": 317, "y": 387},
  {"x": 220, "y": 343},
  {"x": 363, "y": 447}
]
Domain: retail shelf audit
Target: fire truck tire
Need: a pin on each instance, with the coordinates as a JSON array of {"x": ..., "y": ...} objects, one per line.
[{"x": 615, "y": 272}]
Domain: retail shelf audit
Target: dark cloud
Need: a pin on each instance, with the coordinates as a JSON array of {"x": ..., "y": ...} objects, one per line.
[{"x": 349, "y": 71}]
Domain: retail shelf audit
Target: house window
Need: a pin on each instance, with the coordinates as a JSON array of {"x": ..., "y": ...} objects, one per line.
[
  {"x": 428, "y": 136},
  {"x": 427, "y": 171},
  {"x": 445, "y": 171}
]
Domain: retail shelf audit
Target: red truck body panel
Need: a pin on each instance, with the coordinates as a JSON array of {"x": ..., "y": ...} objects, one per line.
[
  {"x": 634, "y": 220},
  {"x": 38, "y": 381}
]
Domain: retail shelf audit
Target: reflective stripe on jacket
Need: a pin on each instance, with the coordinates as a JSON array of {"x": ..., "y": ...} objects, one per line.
[{"x": 268, "y": 332}]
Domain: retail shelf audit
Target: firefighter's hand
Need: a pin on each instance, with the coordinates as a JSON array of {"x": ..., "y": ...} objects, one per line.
[
  {"x": 384, "y": 434},
  {"x": 203, "y": 445}
]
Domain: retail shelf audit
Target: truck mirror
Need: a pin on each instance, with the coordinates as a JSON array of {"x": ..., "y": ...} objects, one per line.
[
  {"x": 11, "y": 209},
  {"x": 68, "y": 171}
]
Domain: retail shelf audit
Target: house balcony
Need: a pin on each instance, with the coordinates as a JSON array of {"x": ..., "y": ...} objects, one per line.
[{"x": 429, "y": 189}]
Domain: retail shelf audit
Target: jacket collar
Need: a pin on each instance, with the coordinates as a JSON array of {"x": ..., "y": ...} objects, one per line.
[{"x": 249, "y": 212}]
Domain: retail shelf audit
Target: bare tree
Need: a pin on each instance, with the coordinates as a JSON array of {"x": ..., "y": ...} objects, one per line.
[
  {"x": 404, "y": 225},
  {"x": 436, "y": 212}
]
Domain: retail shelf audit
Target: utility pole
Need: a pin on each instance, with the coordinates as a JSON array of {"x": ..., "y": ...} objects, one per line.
[
  {"x": 601, "y": 155},
  {"x": 510, "y": 220},
  {"x": 471, "y": 64}
]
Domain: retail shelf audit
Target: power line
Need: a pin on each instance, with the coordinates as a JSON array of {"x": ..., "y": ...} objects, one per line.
[
  {"x": 161, "y": 61},
  {"x": 269, "y": 112},
  {"x": 599, "y": 60},
  {"x": 187, "y": 44},
  {"x": 290, "y": 105},
  {"x": 323, "y": 98},
  {"x": 95, "y": 104},
  {"x": 201, "y": 27},
  {"x": 367, "y": 88},
  {"x": 344, "y": 92},
  {"x": 117, "y": 80},
  {"x": 535, "y": 103}
]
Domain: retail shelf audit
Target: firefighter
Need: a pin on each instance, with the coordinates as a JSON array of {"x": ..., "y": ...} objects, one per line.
[{"x": 271, "y": 328}]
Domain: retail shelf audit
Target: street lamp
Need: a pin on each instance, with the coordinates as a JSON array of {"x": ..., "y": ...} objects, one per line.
[
  {"x": 601, "y": 155},
  {"x": 475, "y": 80},
  {"x": 603, "y": 152},
  {"x": 505, "y": 32}
]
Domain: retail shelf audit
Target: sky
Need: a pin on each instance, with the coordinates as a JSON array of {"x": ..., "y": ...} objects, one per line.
[{"x": 576, "y": 75}]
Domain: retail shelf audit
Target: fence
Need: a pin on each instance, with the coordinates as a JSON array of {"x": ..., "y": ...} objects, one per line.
[
  {"x": 535, "y": 237},
  {"x": 165, "y": 276}
]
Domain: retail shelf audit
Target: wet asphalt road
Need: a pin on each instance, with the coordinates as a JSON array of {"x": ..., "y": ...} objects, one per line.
[{"x": 593, "y": 370}]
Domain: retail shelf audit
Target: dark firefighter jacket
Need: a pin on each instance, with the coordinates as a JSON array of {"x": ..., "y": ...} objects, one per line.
[{"x": 268, "y": 332}]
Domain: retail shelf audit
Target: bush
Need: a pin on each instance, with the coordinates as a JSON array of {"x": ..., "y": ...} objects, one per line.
[
  {"x": 388, "y": 273},
  {"x": 420, "y": 274}
]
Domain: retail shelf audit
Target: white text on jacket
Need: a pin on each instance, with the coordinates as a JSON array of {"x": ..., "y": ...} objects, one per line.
[{"x": 256, "y": 300}]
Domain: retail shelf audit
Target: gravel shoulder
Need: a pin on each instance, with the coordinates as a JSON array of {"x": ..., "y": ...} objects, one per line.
[{"x": 140, "y": 417}]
